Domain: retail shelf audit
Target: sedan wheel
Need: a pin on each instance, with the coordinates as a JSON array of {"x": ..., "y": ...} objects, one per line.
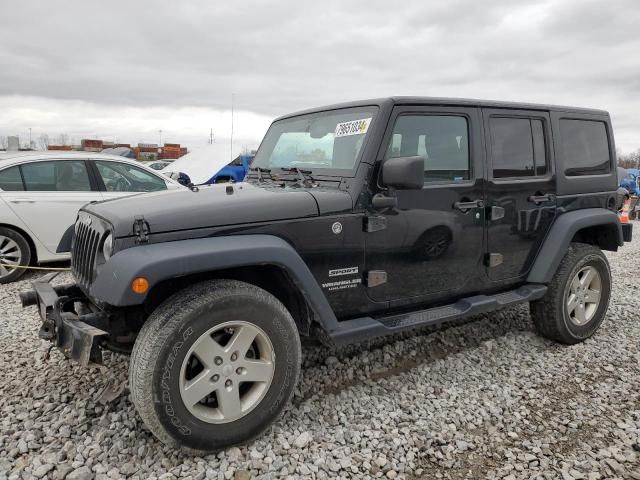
[
  {"x": 10, "y": 254},
  {"x": 14, "y": 253}
]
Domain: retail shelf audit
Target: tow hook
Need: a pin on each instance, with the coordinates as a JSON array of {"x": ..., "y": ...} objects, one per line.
[{"x": 47, "y": 330}]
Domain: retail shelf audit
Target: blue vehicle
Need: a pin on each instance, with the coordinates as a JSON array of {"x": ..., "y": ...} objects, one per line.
[
  {"x": 235, "y": 171},
  {"x": 631, "y": 181}
]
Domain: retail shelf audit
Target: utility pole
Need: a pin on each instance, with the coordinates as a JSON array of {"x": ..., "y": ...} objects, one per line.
[
  {"x": 211, "y": 137},
  {"x": 231, "y": 151},
  {"x": 160, "y": 132},
  {"x": 29, "y": 138}
]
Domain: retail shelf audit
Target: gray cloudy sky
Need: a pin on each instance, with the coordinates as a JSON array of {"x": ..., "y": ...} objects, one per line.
[{"x": 125, "y": 70}]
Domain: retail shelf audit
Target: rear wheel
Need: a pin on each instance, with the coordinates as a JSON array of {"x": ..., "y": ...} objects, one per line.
[
  {"x": 14, "y": 252},
  {"x": 578, "y": 297},
  {"x": 214, "y": 365}
]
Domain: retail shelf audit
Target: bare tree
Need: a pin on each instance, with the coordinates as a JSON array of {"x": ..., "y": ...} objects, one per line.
[
  {"x": 62, "y": 139},
  {"x": 3, "y": 143},
  {"x": 629, "y": 160},
  {"x": 43, "y": 141}
]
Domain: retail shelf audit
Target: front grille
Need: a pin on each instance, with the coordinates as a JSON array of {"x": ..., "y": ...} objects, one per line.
[{"x": 85, "y": 249}]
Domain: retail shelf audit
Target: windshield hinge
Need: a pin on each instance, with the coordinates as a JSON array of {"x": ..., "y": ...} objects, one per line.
[
  {"x": 141, "y": 229},
  {"x": 374, "y": 223}
]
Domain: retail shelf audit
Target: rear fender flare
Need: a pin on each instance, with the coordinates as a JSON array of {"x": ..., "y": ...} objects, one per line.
[{"x": 560, "y": 235}]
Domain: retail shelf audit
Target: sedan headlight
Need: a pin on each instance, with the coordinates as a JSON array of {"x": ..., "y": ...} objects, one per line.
[{"x": 107, "y": 247}]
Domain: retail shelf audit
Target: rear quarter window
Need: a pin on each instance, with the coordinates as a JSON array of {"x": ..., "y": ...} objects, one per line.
[
  {"x": 11, "y": 180},
  {"x": 584, "y": 147}
]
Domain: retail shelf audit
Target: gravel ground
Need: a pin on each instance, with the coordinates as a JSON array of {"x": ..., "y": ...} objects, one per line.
[{"x": 486, "y": 399}]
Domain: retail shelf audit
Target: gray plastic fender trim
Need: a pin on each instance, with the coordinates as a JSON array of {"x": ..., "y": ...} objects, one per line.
[
  {"x": 560, "y": 235},
  {"x": 163, "y": 261}
]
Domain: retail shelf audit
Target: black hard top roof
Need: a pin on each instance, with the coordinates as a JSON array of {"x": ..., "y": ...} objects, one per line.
[{"x": 442, "y": 101}]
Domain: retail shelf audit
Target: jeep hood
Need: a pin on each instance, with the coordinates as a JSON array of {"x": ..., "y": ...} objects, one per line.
[{"x": 182, "y": 209}]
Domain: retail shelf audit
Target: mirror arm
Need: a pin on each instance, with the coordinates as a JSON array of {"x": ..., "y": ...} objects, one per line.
[{"x": 380, "y": 200}]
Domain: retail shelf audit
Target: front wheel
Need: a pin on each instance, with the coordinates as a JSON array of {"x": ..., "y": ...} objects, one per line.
[
  {"x": 578, "y": 297},
  {"x": 14, "y": 253},
  {"x": 214, "y": 365}
]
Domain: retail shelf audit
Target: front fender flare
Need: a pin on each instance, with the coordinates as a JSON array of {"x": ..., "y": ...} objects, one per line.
[
  {"x": 562, "y": 232},
  {"x": 164, "y": 261}
]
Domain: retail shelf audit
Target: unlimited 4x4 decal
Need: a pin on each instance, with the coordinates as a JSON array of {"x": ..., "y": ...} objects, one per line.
[{"x": 354, "y": 127}]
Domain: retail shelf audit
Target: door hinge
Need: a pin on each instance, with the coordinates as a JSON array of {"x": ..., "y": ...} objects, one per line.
[
  {"x": 375, "y": 223},
  {"x": 376, "y": 278},
  {"x": 141, "y": 229},
  {"x": 497, "y": 213},
  {"x": 493, "y": 259}
]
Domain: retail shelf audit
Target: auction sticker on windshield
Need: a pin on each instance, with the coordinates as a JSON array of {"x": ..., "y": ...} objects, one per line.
[{"x": 354, "y": 127}]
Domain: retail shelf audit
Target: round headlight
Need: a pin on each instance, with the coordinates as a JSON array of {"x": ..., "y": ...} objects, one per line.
[{"x": 107, "y": 247}]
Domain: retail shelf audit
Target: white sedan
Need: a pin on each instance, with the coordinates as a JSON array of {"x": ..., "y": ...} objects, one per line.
[{"x": 41, "y": 193}]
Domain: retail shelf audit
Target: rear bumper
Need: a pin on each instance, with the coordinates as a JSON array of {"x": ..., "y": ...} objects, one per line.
[
  {"x": 627, "y": 231},
  {"x": 76, "y": 335}
]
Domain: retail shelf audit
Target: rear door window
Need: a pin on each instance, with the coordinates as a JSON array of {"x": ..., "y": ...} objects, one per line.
[
  {"x": 56, "y": 176},
  {"x": 517, "y": 147},
  {"x": 11, "y": 180},
  {"x": 584, "y": 147}
]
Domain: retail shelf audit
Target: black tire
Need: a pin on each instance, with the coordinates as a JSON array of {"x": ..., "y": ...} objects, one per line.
[
  {"x": 163, "y": 345},
  {"x": 550, "y": 314},
  {"x": 25, "y": 254}
]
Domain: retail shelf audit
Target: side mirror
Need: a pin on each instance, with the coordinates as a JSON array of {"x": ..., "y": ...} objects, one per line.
[{"x": 403, "y": 173}]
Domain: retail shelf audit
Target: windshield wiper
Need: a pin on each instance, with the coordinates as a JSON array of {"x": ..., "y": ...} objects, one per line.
[
  {"x": 304, "y": 176},
  {"x": 260, "y": 171}
]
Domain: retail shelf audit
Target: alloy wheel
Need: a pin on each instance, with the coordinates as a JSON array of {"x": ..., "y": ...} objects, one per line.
[
  {"x": 227, "y": 372},
  {"x": 583, "y": 297},
  {"x": 10, "y": 254}
]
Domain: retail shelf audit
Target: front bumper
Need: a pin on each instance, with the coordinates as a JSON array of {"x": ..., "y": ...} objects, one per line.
[{"x": 67, "y": 321}]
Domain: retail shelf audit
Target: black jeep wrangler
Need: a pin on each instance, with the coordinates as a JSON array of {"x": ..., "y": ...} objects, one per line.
[{"x": 355, "y": 221}]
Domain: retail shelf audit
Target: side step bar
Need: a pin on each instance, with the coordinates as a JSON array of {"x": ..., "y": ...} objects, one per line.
[{"x": 359, "y": 329}]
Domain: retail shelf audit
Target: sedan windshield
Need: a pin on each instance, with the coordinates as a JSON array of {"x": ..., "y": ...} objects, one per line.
[{"x": 330, "y": 140}]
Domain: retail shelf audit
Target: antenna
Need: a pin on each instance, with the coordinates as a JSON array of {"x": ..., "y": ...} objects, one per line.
[{"x": 231, "y": 152}]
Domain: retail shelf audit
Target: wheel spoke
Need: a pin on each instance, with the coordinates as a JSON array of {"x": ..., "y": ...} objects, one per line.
[
  {"x": 229, "y": 401},
  {"x": 575, "y": 284},
  {"x": 587, "y": 277},
  {"x": 3, "y": 270},
  {"x": 257, "y": 371},
  {"x": 581, "y": 314},
  {"x": 198, "y": 388},
  {"x": 243, "y": 337},
  {"x": 572, "y": 303},
  {"x": 9, "y": 246},
  {"x": 592, "y": 296},
  {"x": 206, "y": 349}
]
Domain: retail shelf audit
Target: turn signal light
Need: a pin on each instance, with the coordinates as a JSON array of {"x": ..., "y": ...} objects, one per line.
[{"x": 140, "y": 285}]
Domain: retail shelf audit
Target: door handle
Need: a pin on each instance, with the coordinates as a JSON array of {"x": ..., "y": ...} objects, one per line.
[
  {"x": 22, "y": 201},
  {"x": 465, "y": 206},
  {"x": 538, "y": 199}
]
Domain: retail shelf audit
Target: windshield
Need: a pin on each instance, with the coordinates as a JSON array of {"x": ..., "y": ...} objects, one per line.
[{"x": 325, "y": 140}]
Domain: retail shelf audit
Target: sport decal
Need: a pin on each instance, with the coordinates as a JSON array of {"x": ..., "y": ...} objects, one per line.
[{"x": 343, "y": 271}]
